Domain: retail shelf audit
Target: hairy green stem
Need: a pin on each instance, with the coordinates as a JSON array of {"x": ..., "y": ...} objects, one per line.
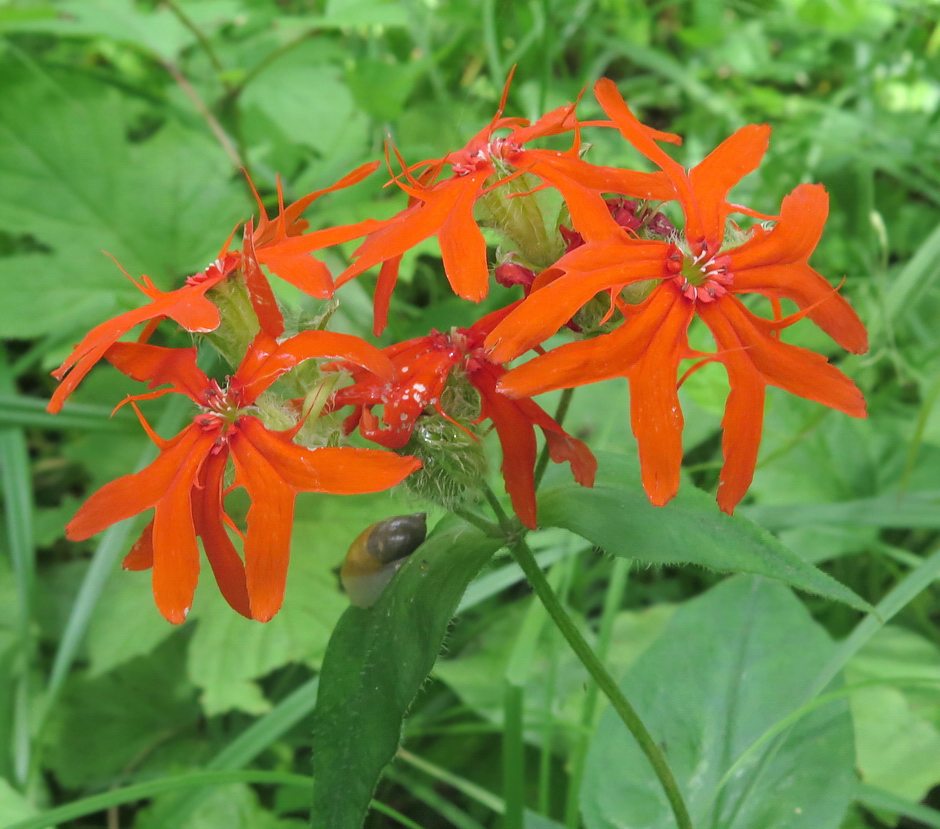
[
  {"x": 604, "y": 680},
  {"x": 484, "y": 526},
  {"x": 505, "y": 522}
]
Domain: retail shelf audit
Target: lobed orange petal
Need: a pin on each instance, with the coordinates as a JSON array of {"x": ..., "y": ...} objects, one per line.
[
  {"x": 413, "y": 225},
  {"x": 290, "y": 258},
  {"x": 591, "y": 361},
  {"x": 559, "y": 120},
  {"x": 796, "y": 370},
  {"x": 813, "y": 294},
  {"x": 589, "y": 212},
  {"x": 517, "y": 439},
  {"x": 643, "y": 138},
  {"x": 288, "y": 219},
  {"x": 794, "y": 237},
  {"x": 259, "y": 289},
  {"x": 742, "y": 422},
  {"x": 187, "y": 306},
  {"x": 267, "y": 360},
  {"x": 655, "y": 414},
  {"x": 463, "y": 249},
  {"x": 547, "y": 309},
  {"x": 208, "y": 511},
  {"x": 563, "y": 447},
  {"x": 633, "y": 183},
  {"x": 742, "y": 425},
  {"x": 158, "y": 366},
  {"x": 293, "y": 212},
  {"x": 341, "y": 471},
  {"x": 130, "y": 495},
  {"x": 774, "y": 263},
  {"x": 514, "y": 421},
  {"x": 384, "y": 286},
  {"x": 273, "y": 469},
  {"x": 175, "y": 550},
  {"x": 270, "y": 521},
  {"x": 713, "y": 178}
]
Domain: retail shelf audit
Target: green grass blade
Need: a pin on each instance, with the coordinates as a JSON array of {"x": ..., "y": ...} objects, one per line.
[
  {"x": 17, "y": 410},
  {"x": 898, "y": 598},
  {"x": 152, "y": 788},
  {"x": 514, "y": 777},
  {"x": 16, "y": 481},
  {"x": 875, "y": 798},
  {"x": 112, "y": 546}
]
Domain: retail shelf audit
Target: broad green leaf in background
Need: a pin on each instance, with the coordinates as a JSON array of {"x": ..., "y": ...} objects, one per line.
[
  {"x": 366, "y": 12},
  {"x": 74, "y": 185},
  {"x": 898, "y": 751},
  {"x": 473, "y": 675},
  {"x": 126, "y": 623},
  {"x": 158, "y": 32},
  {"x": 303, "y": 94},
  {"x": 896, "y": 728},
  {"x": 375, "y": 664},
  {"x": 14, "y": 807},
  {"x": 617, "y": 516},
  {"x": 729, "y": 665},
  {"x": 111, "y": 724}
]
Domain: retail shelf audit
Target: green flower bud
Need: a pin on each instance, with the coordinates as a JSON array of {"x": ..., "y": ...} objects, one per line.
[{"x": 454, "y": 462}]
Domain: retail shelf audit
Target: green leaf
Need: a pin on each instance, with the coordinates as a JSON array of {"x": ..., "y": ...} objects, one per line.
[
  {"x": 113, "y": 723},
  {"x": 159, "y": 31},
  {"x": 14, "y": 807},
  {"x": 728, "y": 667},
  {"x": 19, "y": 410},
  {"x": 307, "y": 99},
  {"x": 616, "y": 516},
  {"x": 375, "y": 664},
  {"x": 896, "y": 733},
  {"x": 74, "y": 184},
  {"x": 876, "y": 799},
  {"x": 473, "y": 674},
  {"x": 898, "y": 751},
  {"x": 893, "y": 509},
  {"x": 127, "y": 624}
]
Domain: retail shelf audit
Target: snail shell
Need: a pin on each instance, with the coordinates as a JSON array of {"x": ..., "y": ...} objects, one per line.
[{"x": 377, "y": 553}]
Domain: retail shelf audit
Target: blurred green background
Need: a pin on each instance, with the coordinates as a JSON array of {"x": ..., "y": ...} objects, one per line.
[{"x": 123, "y": 126}]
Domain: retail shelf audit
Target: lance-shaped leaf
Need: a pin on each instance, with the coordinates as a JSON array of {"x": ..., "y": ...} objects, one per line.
[
  {"x": 616, "y": 516},
  {"x": 376, "y": 662}
]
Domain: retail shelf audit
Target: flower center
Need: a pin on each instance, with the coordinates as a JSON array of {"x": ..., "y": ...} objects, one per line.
[
  {"x": 494, "y": 154},
  {"x": 221, "y": 412},
  {"x": 701, "y": 278}
]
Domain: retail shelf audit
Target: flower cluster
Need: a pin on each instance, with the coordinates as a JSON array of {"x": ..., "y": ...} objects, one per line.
[{"x": 612, "y": 269}]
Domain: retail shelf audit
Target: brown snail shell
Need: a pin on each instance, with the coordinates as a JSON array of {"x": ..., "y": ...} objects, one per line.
[{"x": 377, "y": 553}]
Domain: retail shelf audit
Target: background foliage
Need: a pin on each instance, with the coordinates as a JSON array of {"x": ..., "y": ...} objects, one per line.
[{"x": 122, "y": 127}]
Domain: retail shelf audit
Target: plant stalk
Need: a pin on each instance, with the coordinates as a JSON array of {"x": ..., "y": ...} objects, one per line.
[{"x": 604, "y": 680}]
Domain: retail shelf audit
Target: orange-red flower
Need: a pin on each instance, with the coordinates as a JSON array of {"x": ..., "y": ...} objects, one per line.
[
  {"x": 278, "y": 244},
  {"x": 187, "y": 306},
  {"x": 697, "y": 275},
  {"x": 445, "y": 208},
  {"x": 185, "y": 485},
  {"x": 423, "y": 367},
  {"x": 284, "y": 247}
]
